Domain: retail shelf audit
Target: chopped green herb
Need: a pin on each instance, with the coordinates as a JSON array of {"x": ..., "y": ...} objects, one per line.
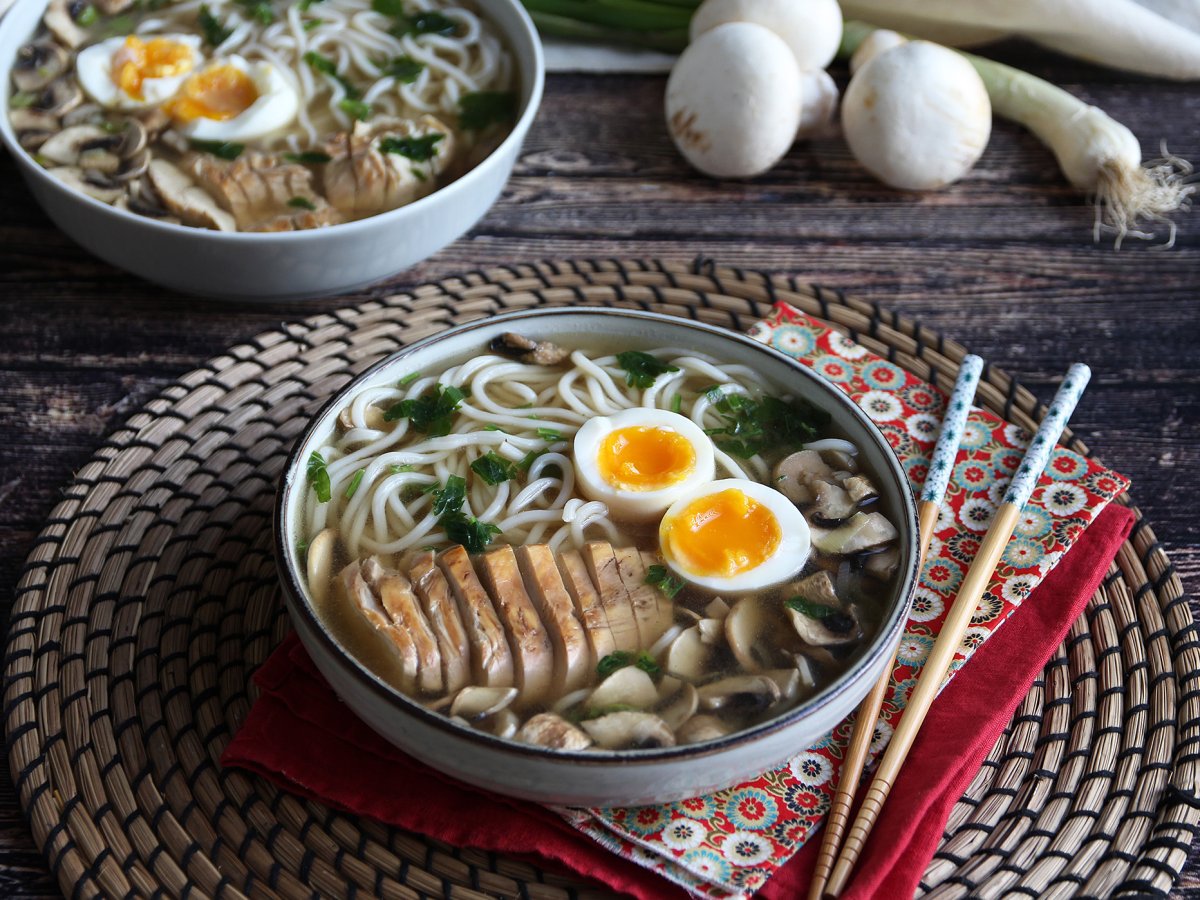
[
  {"x": 659, "y": 577},
  {"x": 308, "y": 157},
  {"x": 491, "y": 427},
  {"x": 323, "y": 65},
  {"x": 117, "y": 25},
  {"x": 396, "y": 470},
  {"x": 258, "y": 9},
  {"x": 449, "y": 499},
  {"x": 752, "y": 426},
  {"x": 393, "y": 8},
  {"x": 87, "y": 16},
  {"x": 493, "y": 468},
  {"x": 419, "y": 149},
  {"x": 549, "y": 434},
  {"x": 352, "y": 488},
  {"x": 318, "y": 477},
  {"x": 622, "y": 658},
  {"x": 404, "y": 69},
  {"x": 408, "y": 379},
  {"x": 355, "y": 109},
  {"x": 302, "y": 549},
  {"x": 310, "y": 24},
  {"x": 21, "y": 100},
  {"x": 306, "y": 5},
  {"x": 468, "y": 531},
  {"x": 642, "y": 369},
  {"x": 418, "y": 174},
  {"x": 714, "y": 392},
  {"x": 432, "y": 413},
  {"x": 676, "y": 403},
  {"x": 215, "y": 33},
  {"x": 528, "y": 458},
  {"x": 479, "y": 109},
  {"x": 427, "y": 23},
  {"x": 808, "y": 608},
  {"x": 222, "y": 149},
  {"x": 302, "y": 203}
]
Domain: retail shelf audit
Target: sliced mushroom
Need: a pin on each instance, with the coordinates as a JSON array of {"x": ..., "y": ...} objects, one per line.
[
  {"x": 789, "y": 682},
  {"x": 73, "y": 177},
  {"x": 860, "y": 489},
  {"x": 862, "y": 532},
  {"x": 98, "y": 160},
  {"x": 717, "y": 608},
  {"x": 84, "y": 114},
  {"x": 38, "y": 64},
  {"x": 32, "y": 120},
  {"x": 712, "y": 631},
  {"x": 882, "y": 565},
  {"x": 318, "y": 564},
  {"x": 70, "y": 144},
  {"x": 59, "y": 97},
  {"x": 180, "y": 196},
  {"x": 756, "y": 632},
  {"x": 155, "y": 121},
  {"x": 133, "y": 166},
  {"x": 751, "y": 693},
  {"x": 831, "y": 502},
  {"x": 549, "y": 730},
  {"x": 821, "y": 621},
  {"x": 689, "y": 656},
  {"x": 629, "y": 730},
  {"x": 840, "y": 458},
  {"x": 794, "y": 474},
  {"x": 477, "y": 702},
  {"x": 505, "y": 723},
  {"x": 62, "y": 25},
  {"x": 680, "y": 707},
  {"x": 701, "y": 728},
  {"x": 32, "y": 140},
  {"x": 627, "y": 687},
  {"x": 537, "y": 353}
]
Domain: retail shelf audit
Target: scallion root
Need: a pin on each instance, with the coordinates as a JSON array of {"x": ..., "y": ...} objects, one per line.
[{"x": 1126, "y": 197}]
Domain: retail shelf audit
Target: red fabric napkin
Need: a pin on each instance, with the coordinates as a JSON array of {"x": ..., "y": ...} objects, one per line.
[{"x": 301, "y": 737}]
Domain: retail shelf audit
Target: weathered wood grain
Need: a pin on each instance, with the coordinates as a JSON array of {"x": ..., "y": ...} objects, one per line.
[{"x": 1003, "y": 262}]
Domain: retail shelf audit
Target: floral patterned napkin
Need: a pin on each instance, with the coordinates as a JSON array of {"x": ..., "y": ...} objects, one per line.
[{"x": 727, "y": 844}]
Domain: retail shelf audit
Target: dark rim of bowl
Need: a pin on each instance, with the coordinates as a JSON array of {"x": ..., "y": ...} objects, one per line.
[
  {"x": 536, "y": 75},
  {"x": 883, "y": 642}
]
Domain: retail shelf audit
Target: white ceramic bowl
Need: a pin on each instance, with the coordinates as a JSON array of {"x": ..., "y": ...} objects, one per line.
[
  {"x": 289, "y": 265},
  {"x": 588, "y": 778}
]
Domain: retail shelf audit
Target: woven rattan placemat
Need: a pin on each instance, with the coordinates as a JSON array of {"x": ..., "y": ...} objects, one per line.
[{"x": 150, "y": 598}]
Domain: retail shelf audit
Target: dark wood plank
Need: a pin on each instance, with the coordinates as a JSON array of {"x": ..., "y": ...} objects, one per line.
[{"x": 1003, "y": 262}]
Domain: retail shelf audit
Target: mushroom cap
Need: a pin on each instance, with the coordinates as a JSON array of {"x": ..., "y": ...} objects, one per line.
[
  {"x": 812, "y": 29},
  {"x": 917, "y": 116},
  {"x": 733, "y": 100}
]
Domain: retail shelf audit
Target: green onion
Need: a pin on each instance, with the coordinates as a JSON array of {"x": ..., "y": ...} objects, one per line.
[
  {"x": 215, "y": 33},
  {"x": 449, "y": 499},
  {"x": 808, "y": 608},
  {"x": 408, "y": 379},
  {"x": 221, "y": 149},
  {"x": 404, "y": 69},
  {"x": 310, "y": 24},
  {"x": 468, "y": 531},
  {"x": 432, "y": 413},
  {"x": 642, "y": 369},
  {"x": 355, "y": 109},
  {"x": 396, "y": 470},
  {"x": 659, "y": 577},
  {"x": 258, "y": 9},
  {"x": 352, "y": 488},
  {"x": 479, "y": 109},
  {"x": 87, "y": 16},
  {"x": 419, "y": 149},
  {"x": 302, "y": 203},
  {"x": 620, "y": 659},
  {"x": 21, "y": 100},
  {"x": 493, "y": 468},
  {"x": 676, "y": 403},
  {"x": 318, "y": 477},
  {"x": 549, "y": 434}
]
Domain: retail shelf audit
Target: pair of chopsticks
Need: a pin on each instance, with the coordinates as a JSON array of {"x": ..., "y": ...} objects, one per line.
[{"x": 830, "y": 878}]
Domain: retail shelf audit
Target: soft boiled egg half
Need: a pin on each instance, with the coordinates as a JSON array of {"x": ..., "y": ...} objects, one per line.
[
  {"x": 734, "y": 536},
  {"x": 231, "y": 99},
  {"x": 132, "y": 71},
  {"x": 640, "y": 461}
]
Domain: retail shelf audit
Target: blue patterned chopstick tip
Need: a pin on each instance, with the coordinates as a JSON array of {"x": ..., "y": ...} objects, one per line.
[
  {"x": 941, "y": 464},
  {"x": 1043, "y": 442}
]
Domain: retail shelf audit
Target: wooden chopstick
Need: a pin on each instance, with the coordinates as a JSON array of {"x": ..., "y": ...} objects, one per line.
[
  {"x": 941, "y": 464},
  {"x": 949, "y": 640}
]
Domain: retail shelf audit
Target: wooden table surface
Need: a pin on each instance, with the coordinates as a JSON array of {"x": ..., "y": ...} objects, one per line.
[{"x": 1003, "y": 262}]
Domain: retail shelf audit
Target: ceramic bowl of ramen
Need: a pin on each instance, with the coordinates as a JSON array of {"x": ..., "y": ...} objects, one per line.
[
  {"x": 594, "y": 556},
  {"x": 267, "y": 151}
]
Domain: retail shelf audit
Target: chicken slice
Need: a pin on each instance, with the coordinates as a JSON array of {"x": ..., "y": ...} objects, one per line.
[
  {"x": 491, "y": 658},
  {"x": 263, "y": 191},
  {"x": 602, "y": 566},
  {"x": 533, "y": 655},
  {"x": 358, "y": 593},
  {"x": 572, "y": 656},
  {"x": 666, "y": 606},
  {"x": 642, "y": 596},
  {"x": 433, "y": 591},
  {"x": 587, "y": 603},
  {"x": 396, "y": 594}
]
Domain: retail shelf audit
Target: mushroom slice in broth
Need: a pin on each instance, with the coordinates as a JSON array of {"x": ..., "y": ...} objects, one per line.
[
  {"x": 551, "y": 730},
  {"x": 629, "y": 731},
  {"x": 740, "y": 693}
]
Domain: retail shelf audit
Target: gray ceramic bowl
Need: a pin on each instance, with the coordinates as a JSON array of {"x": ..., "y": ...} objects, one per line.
[
  {"x": 589, "y": 778},
  {"x": 294, "y": 264}
]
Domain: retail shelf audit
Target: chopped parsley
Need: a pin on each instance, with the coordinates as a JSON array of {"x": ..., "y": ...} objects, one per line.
[
  {"x": 302, "y": 203},
  {"x": 215, "y": 33},
  {"x": 549, "y": 434},
  {"x": 308, "y": 157},
  {"x": 528, "y": 458},
  {"x": 432, "y": 413},
  {"x": 355, "y": 109},
  {"x": 479, "y": 109},
  {"x": 318, "y": 477},
  {"x": 258, "y": 9},
  {"x": 352, "y": 488},
  {"x": 468, "y": 531},
  {"x": 808, "y": 608},
  {"x": 493, "y": 468},
  {"x": 393, "y": 8},
  {"x": 227, "y": 150},
  {"x": 404, "y": 69},
  {"x": 623, "y": 658},
  {"x": 752, "y": 426},
  {"x": 87, "y": 16},
  {"x": 426, "y": 23},
  {"x": 659, "y": 577},
  {"x": 419, "y": 149},
  {"x": 323, "y": 65},
  {"x": 642, "y": 369},
  {"x": 449, "y": 499}
]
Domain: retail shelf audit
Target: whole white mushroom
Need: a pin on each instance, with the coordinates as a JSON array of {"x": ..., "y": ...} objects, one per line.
[
  {"x": 812, "y": 28},
  {"x": 917, "y": 116},
  {"x": 733, "y": 100}
]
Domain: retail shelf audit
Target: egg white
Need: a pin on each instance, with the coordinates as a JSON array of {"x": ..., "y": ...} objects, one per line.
[
  {"x": 276, "y": 106},
  {"x": 635, "y": 506},
  {"x": 786, "y": 561},
  {"x": 94, "y": 69}
]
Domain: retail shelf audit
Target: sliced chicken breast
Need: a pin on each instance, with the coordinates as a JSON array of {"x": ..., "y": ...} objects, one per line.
[
  {"x": 491, "y": 658},
  {"x": 533, "y": 655},
  {"x": 602, "y": 566},
  {"x": 642, "y": 596},
  {"x": 573, "y": 662},
  {"x": 587, "y": 603},
  {"x": 358, "y": 594},
  {"x": 433, "y": 591},
  {"x": 666, "y": 606}
]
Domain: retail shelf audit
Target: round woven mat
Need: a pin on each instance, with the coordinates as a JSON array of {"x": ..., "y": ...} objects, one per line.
[{"x": 150, "y": 598}]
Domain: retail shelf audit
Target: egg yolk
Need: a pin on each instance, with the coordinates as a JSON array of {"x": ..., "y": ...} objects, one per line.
[
  {"x": 138, "y": 60},
  {"x": 723, "y": 534},
  {"x": 219, "y": 93},
  {"x": 643, "y": 458}
]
